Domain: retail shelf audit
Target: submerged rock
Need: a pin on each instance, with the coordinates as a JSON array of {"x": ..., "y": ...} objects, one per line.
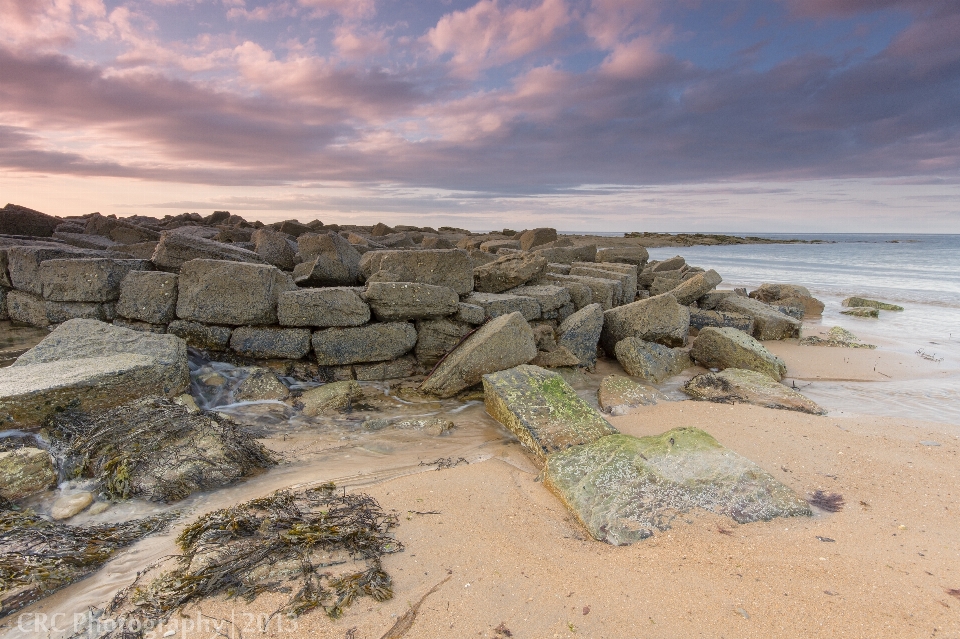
[
  {"x": 542, "y": 410},
  {"x": 259, "y": 385},
  {"x": 329, "y": 398},
  {"x": 624, "y": 488},
  {"x": 862, "y": 302},
  {"x": 862, "y": 311},
  {"x": 739, "y": 386},
  {"x": 730, "y": 348},
  {"x": 618, "y": 395},
  {"x": 69, "y": 505},
  {"x": 24, "y": 472}
]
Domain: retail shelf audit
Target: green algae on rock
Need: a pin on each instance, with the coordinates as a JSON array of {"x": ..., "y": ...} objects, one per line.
[
  {"x": 862, "y": 302},
  {"x": 624, "y": 488},
  {"x": 542, "y": 410},
  {"x": 837, "y": 337},
  {"x": 617, "y": 395},
  {"x": 862, "y": 311},
  {"x": 736, "y": 386}
]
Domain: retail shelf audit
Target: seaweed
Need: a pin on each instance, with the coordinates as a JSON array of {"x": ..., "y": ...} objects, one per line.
[
  {"x": 281, "y": 543},
  {"x": 38, "y": 556},
  {"x": 405, "y": 622},
  {"x": 830, "y": 502}
]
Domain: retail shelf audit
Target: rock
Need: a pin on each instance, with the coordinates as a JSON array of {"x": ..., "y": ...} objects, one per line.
[
  {"x": 329, "y": 398},
  {"x": 626, "y": 255},
  {"x": 144, "y": 327},
  {"x": 537, "y": 237},
  {"x": 604, "y": 291},
  {"x": 542, "y": 410},
  {"x": 25, "y": 471},
  {"x": 710, "y": 301},
  {"x": 618, "y": 395},
  {"x": 3, "y": 304},
  {"x": 508, "y": 272},
  {"x": 232, "y": 235},
  {"x": 67, "y": 506},
  {"x": 451, "y": 268},
  {"x": 768, "y": 293},
  {"x": 139, "y": 251},
  {"x": 380, "y": 229},
  {"x": 81, "y": 240},
  {"x": 624, "y": 488},
  {"x": 664, "y": 284},
  {"x": 371, "y": 343},
  {"x": 629, "y": 282},
  {"x": 470, "y": 313},
  {"x": 294, "y": 228},
  {"x": 202, "y": 336},
  {"x": 86, "y": 280},
  {"x": 737, "y": 385},
  {"x": 148, "y": 296},
  {"x": 175, "y": 249},
  {"x": 270, "y": 342},
  {"x": 731, "y": 348},
  {"x": 673, "y": 264},
  {"x": 767, "y": 322},
  {"x": 233, "y": 293},
  {"x": 19, "y": 220},
  {"x": 397, "y": 240},
  {"x": 700, "y": 319},
  {"x": 623, "y": 294},
  {"x": 187, "y": 401},
  {"x": 657, "y": 319},
  {"x": 23, "y": 263},
  {"x": 862, "y": 302},
  {"x": 435, "y": 243},
  {"x": 695, "y": 287},
  {"x": 259, "y": 385},
  {"x": 495, "y": 246},
  {"x": 862, "y": 311},
  {"x": 499, "y": 304},
  {"x": 322, "y": 307},
  {"x": 398, "y": 368},
  {"x": 648, "y": 277},
  {"x": 437, "y": 337},
  {"x": 550, "y": 298},
  {"x": 339, "y": 266},
  {"x": 499, "y": 344},
  {"x": 568, "y": 254},
  {"x": 59, "y": 312},
  {"x": 274, "y": 248},
  {"x": 435, "y": 426},
  {"x": 121, "y": 231},
  {"x": 580, "y": 333},
  {"x": 650, "y": 361},
  {"x": 410, "y": 300},
  {"x": 836, "y": 337},
  {"x": 558, "y": 357},
  {"x": 25, "y": 308}
]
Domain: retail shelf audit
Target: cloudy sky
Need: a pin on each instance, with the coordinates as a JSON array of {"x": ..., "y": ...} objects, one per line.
[{"x": 606, "y": 115}]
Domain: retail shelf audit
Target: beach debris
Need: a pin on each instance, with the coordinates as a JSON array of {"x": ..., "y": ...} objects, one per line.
[
  {"x": 830, "y": 502},
  {"x": 542, "y": 410},
  {"x": 861, "y": 311},
  {"x": 405, "y": 622},
  {"x": 862, "y": 302},
  {"x": 826, "y": 539},
  {"x": 444, "y": 463},
  {"x": 650, "y": 361},
  {"x": 618, "y": 395},
  {"x": 930, "y": 358},
  {"x": 731, "y": 348},
  {"x": 838, "y": 337},
  {"x": 502, "y": 630},
  {"x": 954, "y": 592},
  {"x": 155, "y": 449},
  {"x": 623, "y": 489},
  {"x": 736, "y": 386},
  {"x": 39, "y": 556}
]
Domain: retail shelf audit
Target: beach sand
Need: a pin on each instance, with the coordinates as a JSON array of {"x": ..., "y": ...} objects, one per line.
[{"x": 887, "y": 565}]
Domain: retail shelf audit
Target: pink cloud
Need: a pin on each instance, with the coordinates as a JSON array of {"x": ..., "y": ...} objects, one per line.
[
  {"x": 355, "y": 43},
  {"x": 610, "y": 22},
  {"x": 634, "y": 59},
  {"x": 264, "y": 13},
  {"x": 351, "y": 9},
  {"x": 487, "y": 35}
]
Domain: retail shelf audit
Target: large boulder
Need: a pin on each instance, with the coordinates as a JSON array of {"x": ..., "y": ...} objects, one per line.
[
  {"x": 499, "y": 344},
  {"x": 657, "y": 319},
  {"x": 737, "y": 385},
  {"x": 700, "y": 319},
  {"x": 232, "y": 293},
  {"x": 542, "y": 410},
  {"x": 730, "y": 348},
  {"x": 508, "y": 272},
  {"x": 176, "y": 249},
  {"x": 23, "y": 263},
  {"x": 499, "y": 304},
  {"x": 789, "y": 295},
  {"x": 322, "y": 307},
  {"x": 371, "y": 343},
  {"x": 25, "y": 308},
  {"x": 86, "y": 280},
  {"x": 268, "y": 342},
  {"x": 580, "y": 333},
  {"x": 81, "y": 240},
  {"x": 537, "y": 237},
  {"x": 323, "y": 271},
  {"x": 696, "y": 287},
  {"x": 410, "y": 300},
  {"x": 19, "y": 220},
  {"x": 618, "y": 395},
  {"x": 603, "y": 290},
  {"x": 91, "y": 365},
  {"x": 626, "y": 255},
  {"x": 437, "y": 337},
  {"x": 328, "y": 260},
  {"x": 673, "y": 264},
  {"x": 768, "y": 323},
  {"x": 24, "y": 472},
  {"x": 568, "y": 254},
  {"x": 623, "y": 489},
  {"x": 452, "y": 268},
  {"x": 274, "y": 248},
  {"x": 148, "y": 296},
  {"x": 628, "y": 282},
  {"x": 650, "y": 361},
  {"x": 551, "y": 298}
]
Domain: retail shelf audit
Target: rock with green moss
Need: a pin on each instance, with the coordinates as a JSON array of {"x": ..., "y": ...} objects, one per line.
[
  {"x": 25, "y": 471},
  {"x": 732, "y": 348},
  {"x": 618, "y": 395},
  {"x": 624, "y": 488},
  {"x": 738, "y": 386},
  {"x": 862, "y": 311},
  {"x": 650, "y": 361},
  {"x": 862, "y": 302},
  {"x": 542, "y": 410}
]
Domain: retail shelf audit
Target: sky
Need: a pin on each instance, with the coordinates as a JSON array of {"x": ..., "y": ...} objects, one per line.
[{"x": 790, "y": 116}]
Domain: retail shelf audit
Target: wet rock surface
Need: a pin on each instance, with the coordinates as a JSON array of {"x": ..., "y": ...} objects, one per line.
[
  {"x": 739, "y": 386},
  {"x": 619, "y": 395}
]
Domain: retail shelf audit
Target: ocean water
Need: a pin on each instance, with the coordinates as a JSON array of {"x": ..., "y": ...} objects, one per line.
[{"x": 919, "y": 272}]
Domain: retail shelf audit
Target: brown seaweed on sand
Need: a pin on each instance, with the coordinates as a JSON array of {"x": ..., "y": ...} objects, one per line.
[{"x": 831, "y": 502}]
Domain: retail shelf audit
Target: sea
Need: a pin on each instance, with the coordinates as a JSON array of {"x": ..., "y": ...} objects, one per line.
[{"x": 919, "y": 272}]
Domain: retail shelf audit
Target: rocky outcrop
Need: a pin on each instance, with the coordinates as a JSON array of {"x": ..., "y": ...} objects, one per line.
[
  {"x": 729, "y": 348},
  {"x": 19, "y": 220},
  {"x": 650, "y": 361},
  {"x": 371, "y": 343},
  {"x": 623, "y": 489},
  {"x": 499, "y": 344},
  {"x": 767, "y": 322},
  {"x": 657, "y": 319},
  {"x": 232, "y": 293},
  {"x": 410, "y": 300},
  {"x": 619, "y": 395},
  {"x": 740, "y": 386},
  {"x": 24, "y": 472},
  {"x": 322, "y": 307},
  {"x": 508, "y": 272},
  {"x": 451, "y": 268},
  {"x": 542, "y": 410}
]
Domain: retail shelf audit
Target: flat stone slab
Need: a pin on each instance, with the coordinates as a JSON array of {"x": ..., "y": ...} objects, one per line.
[
  {"x": 623, "y": 489},
  {"x": 739, "y": 386},
  {"x": 361, "y": 344},
  {"x": 542, "y": 410},
  {"x": 618, "y": 395}
]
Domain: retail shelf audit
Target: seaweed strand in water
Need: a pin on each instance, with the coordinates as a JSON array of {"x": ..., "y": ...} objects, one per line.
[{"x": 281, "y": 543}]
